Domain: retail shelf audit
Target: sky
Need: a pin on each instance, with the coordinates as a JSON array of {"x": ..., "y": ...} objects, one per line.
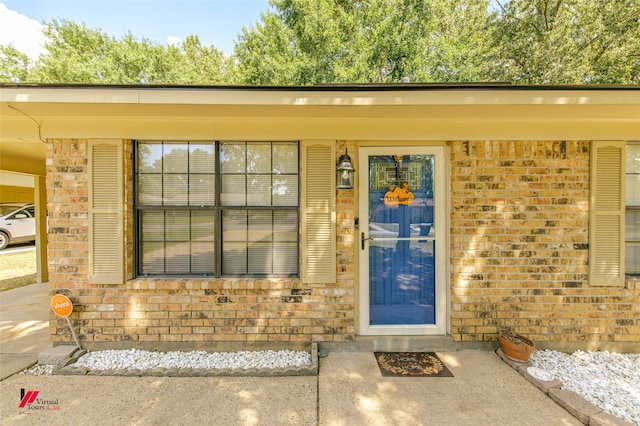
[{"x": 216, "y": 22}]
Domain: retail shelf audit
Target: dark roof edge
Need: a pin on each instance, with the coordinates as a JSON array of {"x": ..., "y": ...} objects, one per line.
[{"x": 332, "y": 87}]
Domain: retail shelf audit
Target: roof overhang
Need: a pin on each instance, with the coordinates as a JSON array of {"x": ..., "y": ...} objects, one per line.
[{"x": 31, "y": 114}]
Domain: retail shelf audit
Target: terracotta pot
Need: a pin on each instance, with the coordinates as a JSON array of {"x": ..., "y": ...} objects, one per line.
[{"x": 517, "y": 351}]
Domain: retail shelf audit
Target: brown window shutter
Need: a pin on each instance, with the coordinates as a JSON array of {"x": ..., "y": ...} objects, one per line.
[
  {"x": 318, "y": 212},
  {"x": 106, "y": 212},
  {"x": 606, "y": 219}
]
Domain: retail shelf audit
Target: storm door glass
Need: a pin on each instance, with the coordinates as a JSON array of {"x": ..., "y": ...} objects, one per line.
[{"x": 401, "y": 240}]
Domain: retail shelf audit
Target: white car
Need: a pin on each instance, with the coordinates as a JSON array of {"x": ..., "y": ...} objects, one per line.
[{"x": 17, "y": 223}]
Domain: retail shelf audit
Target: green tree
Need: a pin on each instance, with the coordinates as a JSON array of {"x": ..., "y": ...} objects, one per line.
[
  {"x": 14, "y": 65},
  {"x": 267, "y": 53},
  {"x": 336, "y": 41},
  {"x": 74, "y": 54},
  {"x": 301, "y": 42},
  {"x": 78, "y": 54},
  {"x": 568, "y": 41},
  {"x": 459, "y": 46},
  {"x": 199, "y": 64}
]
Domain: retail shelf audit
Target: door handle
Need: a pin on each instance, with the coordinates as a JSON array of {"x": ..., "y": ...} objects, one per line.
[{"x": 363, "y": 239}]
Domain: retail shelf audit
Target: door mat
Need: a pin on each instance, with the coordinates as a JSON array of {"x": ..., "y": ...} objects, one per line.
[{"x": 411, "y": 364}]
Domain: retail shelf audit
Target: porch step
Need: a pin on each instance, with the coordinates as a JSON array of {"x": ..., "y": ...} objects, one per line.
[{"x": 405, "y": 343}]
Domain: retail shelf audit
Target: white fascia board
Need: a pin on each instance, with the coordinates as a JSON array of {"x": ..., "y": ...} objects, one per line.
[
  {"x": 67, "y": 95},
  {"x": 247, "y": 96}
]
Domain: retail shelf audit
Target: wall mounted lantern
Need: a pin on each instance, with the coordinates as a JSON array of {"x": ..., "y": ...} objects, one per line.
[{"x": 344, "y": 172}]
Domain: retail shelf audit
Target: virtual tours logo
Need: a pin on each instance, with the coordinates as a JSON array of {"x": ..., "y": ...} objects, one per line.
[{"x": 33, "y": 400}]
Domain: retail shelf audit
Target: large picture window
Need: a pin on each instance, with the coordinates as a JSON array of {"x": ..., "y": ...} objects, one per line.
[
  {"x": 217, "y": 208},
  {"x": 632, "y": 211}
]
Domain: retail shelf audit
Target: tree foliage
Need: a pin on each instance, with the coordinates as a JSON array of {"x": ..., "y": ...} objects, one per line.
[
  {"x": 14, "y": 65},
  {"x": 381, "y": 41},
  {"x": 569, "y": 41},
  {"x": 78, "y": 54},
  {"x": 300, "y": 42}
]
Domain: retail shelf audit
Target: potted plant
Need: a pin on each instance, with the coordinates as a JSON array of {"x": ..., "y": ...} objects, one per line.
[{"x": 516, "y": 346}]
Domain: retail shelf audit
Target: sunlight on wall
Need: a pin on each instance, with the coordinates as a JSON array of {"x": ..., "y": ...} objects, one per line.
[{"x": 135, "y": 310}]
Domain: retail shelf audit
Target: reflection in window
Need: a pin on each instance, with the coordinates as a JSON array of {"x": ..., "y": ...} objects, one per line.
[{"x": 259, "y": 174}]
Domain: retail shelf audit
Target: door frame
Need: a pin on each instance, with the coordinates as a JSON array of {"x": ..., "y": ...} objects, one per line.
[{"x": 440, "y": 232}]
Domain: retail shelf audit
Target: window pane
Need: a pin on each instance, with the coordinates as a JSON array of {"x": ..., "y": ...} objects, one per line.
[
  {"x": 177, "y": 225},
  {"x": 152, "y": 225},
  {"x": 632, "y": 260},
  {"x": 259, "y": 190},
  {"x": 234, "y": 226},
  {"x": 201, "y": 190},
  {"x": 285, "y": 257},
  {"x": 632, "y": 237},
  {"x": 149, "y": 157},
  {"x": 259, "y": 158},
  {"x": 234, "y": 258},
  {"x": 285, "y": 158},
  {"x": 633, "y": 158},
  {"x": 150, "y": 189},
  {"x": 203, "y": 258},
  {"x": 260, "y": 258},
  {"x": 232, "y": 157},
  {"x": 177, "y": 258},
  {"x": 632, "y": 228},
  {"x": 285, "y": 190},
  {"x": 285, "y": 225},
  {"x": 166, "y": 246},
  {"x": 632, "y": 216},
  {"x": 233, "y": 191},
  {"x": 260, "y": 226},
  {"x": 203, "y": 225},
  {"x": 152, "y": 257},
  {"x": 633, "y": 190},
  {"x": 176, "y": 189},
  {"x": 202, "y": 158},
  {"x": 175, "y": 158}
]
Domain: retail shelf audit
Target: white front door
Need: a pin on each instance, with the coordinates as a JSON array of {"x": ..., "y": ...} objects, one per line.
[{"x": 402, "y": 241}]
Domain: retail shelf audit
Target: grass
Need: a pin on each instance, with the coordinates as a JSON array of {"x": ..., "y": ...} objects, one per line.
[{"x": 17, "y": 269}]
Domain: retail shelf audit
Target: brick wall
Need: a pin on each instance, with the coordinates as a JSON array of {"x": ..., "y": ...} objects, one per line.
[
  {"x": 519, "y": 250},
  {"x": 519, "y": 246},
  {"x": 193, "y": 311},
  {"x": 67, "y": 214},
  {"x": 346, "y": 246}
]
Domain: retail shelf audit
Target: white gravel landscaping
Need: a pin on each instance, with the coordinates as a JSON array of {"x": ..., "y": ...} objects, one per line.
[
  {"x": 148, "y": 360},
  {"x": 608, "y": 380}
]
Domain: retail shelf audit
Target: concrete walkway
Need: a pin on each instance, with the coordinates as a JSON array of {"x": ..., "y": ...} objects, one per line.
[
  {"x": 348, "y": 391},
  {"x": 24, "y": 327}
]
